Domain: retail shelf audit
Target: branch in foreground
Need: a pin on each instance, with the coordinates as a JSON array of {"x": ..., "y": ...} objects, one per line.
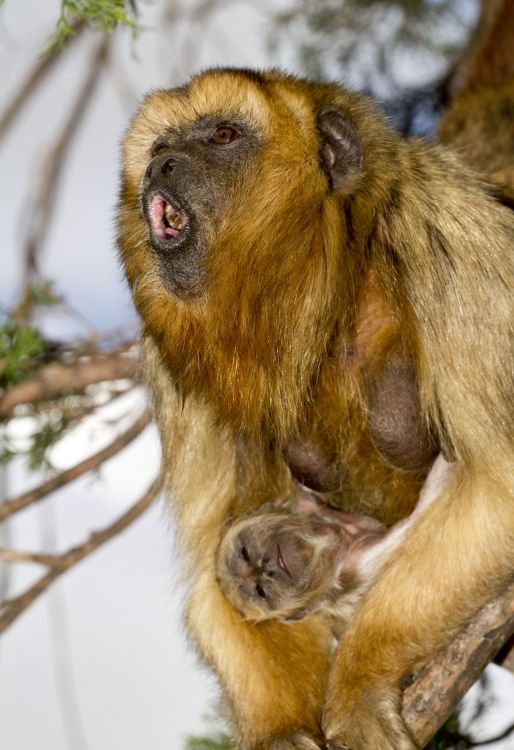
[
  {"x": 89, "y": 464},
  {"x": 53, "y": 379},
  {"x": 11, "y": 608},
  {"x": 440, "y": 686}
]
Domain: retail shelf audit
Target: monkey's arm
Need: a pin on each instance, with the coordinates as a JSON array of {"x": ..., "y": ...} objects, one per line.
[
  {"x": 440, "y": 575},
  {"x": 262, "y": 668}
]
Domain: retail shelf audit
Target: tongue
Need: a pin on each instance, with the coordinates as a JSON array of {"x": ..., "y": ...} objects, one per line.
[
  {"x": 170, "y": 232},
  {"x": 157, "y": 218}
]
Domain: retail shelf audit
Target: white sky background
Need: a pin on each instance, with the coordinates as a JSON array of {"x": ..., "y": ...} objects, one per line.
[{"x": 136, "y": 679}]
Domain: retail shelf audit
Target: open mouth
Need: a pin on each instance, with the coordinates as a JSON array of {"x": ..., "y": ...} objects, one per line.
[{"x": 166, "y": 221}]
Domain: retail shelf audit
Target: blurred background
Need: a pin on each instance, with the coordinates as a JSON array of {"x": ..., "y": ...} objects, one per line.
[{"x": 93, "y": 655}]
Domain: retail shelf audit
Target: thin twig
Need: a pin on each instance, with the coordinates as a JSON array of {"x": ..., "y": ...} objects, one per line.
[
  {"x": 35, "y": 77},
  {"x": 11, "y": 608},
  {"x": 89, "y": 464},
  {"x": 479, "y": 743},
  {"x": 463, "y": 741},
  {"x": 12, "y": 556},
  {"x": 76, "y": 412},
  {"x": 53, "y": 379},
  {"x": 41, "y": 212},
  {"x": 5, "y": 535},
  {"x": 60, "y": 647}
]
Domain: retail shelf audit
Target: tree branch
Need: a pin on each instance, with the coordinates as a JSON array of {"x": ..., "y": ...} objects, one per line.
[
  {"x": 53, "y": 379},
  {"x": 440, "y": 686},
  {"x": 11, "y": 608},
  {"x": 35, "y": 77},
  {"x": 42, "y": 209},
  {"x": 11, "y": 556},
  {"x": 89, "y": 464}
]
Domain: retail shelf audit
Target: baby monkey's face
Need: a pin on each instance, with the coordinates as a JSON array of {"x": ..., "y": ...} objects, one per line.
[{"x": 280, "y": 564}]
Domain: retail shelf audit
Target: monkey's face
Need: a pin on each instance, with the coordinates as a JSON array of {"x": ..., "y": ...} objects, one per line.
[
  {"x": 187, "y": 188},
  {"x": 278, "y": 566},
  {"x": 201, "y": 164}
]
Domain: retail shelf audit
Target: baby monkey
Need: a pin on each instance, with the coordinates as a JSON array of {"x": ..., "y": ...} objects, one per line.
[{"x": 292, "y": 558}]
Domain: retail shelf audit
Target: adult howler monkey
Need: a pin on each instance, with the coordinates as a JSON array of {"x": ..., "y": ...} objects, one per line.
[{"x": 322, "y": 300}]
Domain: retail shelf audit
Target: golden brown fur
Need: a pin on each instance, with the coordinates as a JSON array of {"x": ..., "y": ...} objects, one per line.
[{"x": 308, "y": 294}]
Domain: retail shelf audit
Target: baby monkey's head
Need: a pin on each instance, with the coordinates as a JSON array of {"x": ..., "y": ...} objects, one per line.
[{"x": 281, "y": 564}]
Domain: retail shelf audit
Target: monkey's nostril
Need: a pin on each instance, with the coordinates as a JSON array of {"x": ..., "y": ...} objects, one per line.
[
  {"x": 260, "y": 592},
  {"x": 169, "y": 165}
]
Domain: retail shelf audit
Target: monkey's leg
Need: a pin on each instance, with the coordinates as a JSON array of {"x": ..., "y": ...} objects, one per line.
[
  {"x": 455, "y": 558},
  {"x": 271, "y": 692},
  {"x": 273, "y": 675}
]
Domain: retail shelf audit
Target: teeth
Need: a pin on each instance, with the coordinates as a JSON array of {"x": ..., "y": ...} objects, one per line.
[{"x": 172, "y": 217}]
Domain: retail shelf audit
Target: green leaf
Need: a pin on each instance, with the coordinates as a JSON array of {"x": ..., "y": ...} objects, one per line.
[
  {"x": 49, "y": 434},
  {"x": 219, "y": 741},
  {"x": 215, "y": 738},
  {"x": 102, "y": 14},
  {"x": 21, "y": 348},
  {"x": 44, "y": 295}
]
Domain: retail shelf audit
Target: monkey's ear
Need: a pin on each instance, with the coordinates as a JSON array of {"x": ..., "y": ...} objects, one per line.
[{"x": 342, "y": 153}]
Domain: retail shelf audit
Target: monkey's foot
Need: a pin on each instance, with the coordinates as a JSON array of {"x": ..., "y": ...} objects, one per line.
[{"x": 367, "y": 719}]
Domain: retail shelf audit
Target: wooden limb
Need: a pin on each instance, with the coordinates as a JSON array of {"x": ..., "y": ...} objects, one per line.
[
  {"x": 89, "y": 464},
  {"x": 440, "y": 686},
  {"x": 53, "y": 379},
  {"x": 11, "y": 556},
  {"x": 11, "y": 608},
  {"x": 41, "y": 212},
  {"x": 35, "y": 77}
]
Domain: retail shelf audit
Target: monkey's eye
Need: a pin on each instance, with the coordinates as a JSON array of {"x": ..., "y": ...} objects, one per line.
[
  {"x": 244, "y": 554},
  {"x": 224, "y": 135},
  {"x": 159, "y": 148},
  {"x": 260, "y": 592}
]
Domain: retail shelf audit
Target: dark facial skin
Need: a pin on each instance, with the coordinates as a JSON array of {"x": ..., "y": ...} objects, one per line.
[
  {"x": 287, "y": 562},
  {"x": 189, "y": 179}
]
